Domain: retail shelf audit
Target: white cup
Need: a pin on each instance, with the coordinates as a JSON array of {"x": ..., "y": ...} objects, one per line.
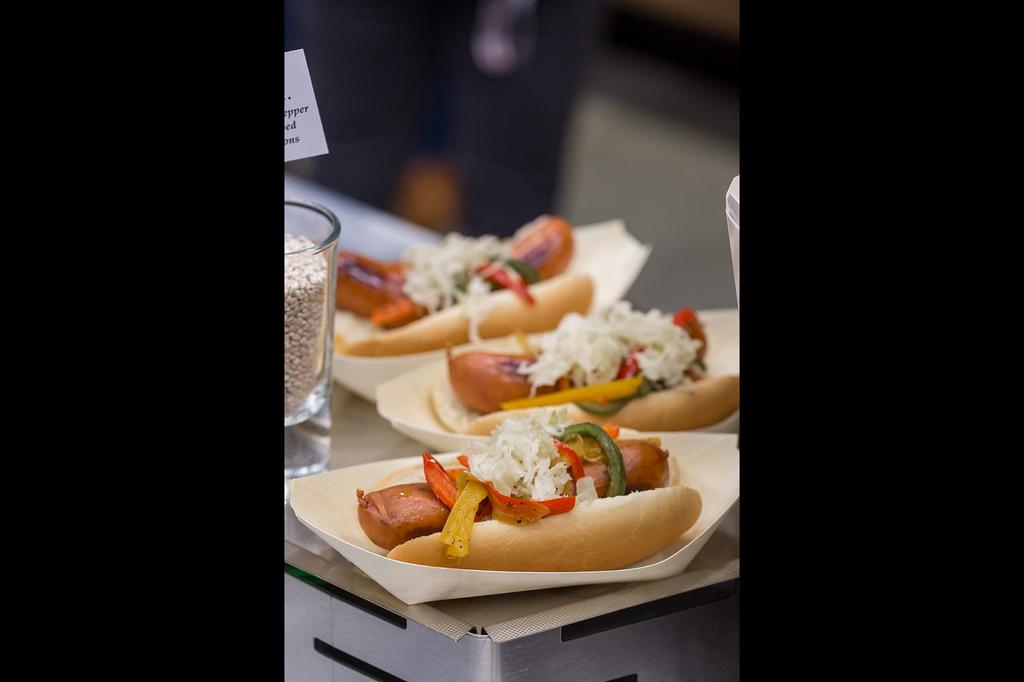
[{"x": 732, "y": 217}]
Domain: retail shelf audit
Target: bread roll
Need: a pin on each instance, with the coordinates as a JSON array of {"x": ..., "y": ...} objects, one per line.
[
  {"x": 553, "y": 299},
  {"x": 682, "y": 408},
  {"x": 601, "y": 535}
]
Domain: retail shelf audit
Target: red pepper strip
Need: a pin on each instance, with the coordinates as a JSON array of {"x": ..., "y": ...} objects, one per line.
[
  {"x": 560, "y": 505},
  {"x": 398, "y": 313},
  {"x": 611, "y": 429},
  {"x": 484, "y": 510},
  {"x": 464, "y": 460},
  {"x": 575, "y": 465},
  {"x": 500, "y": 276},
  {"x": 629, "y": 368},
  {"x": 688, "y": 320},
  {"x": 514, "y": 510},
  {"x": 439, "y": 481},
  {"x": 684, "y": 317}
]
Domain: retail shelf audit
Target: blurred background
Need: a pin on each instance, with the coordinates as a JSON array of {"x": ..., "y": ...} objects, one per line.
[{"x": 478, "y": 115}]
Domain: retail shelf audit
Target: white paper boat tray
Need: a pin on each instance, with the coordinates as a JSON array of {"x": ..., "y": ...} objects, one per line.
[{"x": 326, "y": 504}]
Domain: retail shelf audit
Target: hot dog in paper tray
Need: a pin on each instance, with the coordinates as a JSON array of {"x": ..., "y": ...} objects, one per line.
[
  {"x": 644, "y": 371},
  {"x": 540, "y": 495},
  {"x": 393, "y": 317}
]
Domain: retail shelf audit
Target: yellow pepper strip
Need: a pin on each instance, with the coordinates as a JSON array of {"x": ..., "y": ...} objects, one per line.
[
  {"x": 588, "y": 449},
  {"x": 456, "y": 529},
  {"x": 524, "y": 344},
  {"x": 612, "y": 390}
]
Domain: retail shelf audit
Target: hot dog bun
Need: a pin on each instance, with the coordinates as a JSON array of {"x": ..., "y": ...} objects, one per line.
[
  {"x": 604, "y": 534},
  {"x": 553, "y": 298},
  {"x": 682, "y": 408}
]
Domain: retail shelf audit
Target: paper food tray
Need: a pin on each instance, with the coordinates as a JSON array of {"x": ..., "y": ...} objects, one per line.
[
  {"x": 326, "y": 503},
  {"x": 606, "y": 251}
]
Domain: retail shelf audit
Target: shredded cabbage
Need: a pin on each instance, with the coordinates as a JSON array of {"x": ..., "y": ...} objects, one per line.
[
  {"x": 520, "y": 459},
  {"x": 441, "y": 275},
  {"x": 476, "y": 304},
  {"x": 586, "y": 491},
  {"x": 590, "y": 349}
]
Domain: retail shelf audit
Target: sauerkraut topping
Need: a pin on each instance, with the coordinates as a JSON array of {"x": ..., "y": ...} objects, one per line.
[
  {"x": 476, "y": 305},
  {"x": 586, "y": 489},
  {"x": 520, "y": 459},
  {"x": 590, "y": 350},
  {"x": 439, "y": 276}
]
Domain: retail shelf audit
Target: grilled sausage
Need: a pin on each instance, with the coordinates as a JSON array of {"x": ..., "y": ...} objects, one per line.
[
  {"x": 393, "y": 515},
  {"x": 546, "y": 245},
  {"x": 373, "y": 289},
  {"x": 365, "y": 284},
  {"x": 646, "y": 467},
  {"x": 482, "y": 381}
]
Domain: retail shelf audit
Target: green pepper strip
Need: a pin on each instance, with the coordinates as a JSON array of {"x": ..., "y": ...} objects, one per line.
[
  {"x": 613, "y": 406},
  {"x": 610, "y": 407},
  {"x": 524, "y": 270},
  {"x": 616, "y": 469}
]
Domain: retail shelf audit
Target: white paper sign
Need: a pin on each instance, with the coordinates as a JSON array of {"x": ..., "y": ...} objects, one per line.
[{"x": 303, "y": 132}]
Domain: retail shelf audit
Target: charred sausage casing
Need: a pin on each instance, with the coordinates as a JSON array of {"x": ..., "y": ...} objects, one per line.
[
  {"x": 365, "y": 284},
  {"x": 646, "y": 467},
  {"x": 546, "y": 245},
  {"x": 394, "y": 515},
  {"x": 482, "y": 381}
]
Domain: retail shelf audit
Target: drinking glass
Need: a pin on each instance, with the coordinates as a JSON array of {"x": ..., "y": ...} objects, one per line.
[{"x": 311, "y": 240}]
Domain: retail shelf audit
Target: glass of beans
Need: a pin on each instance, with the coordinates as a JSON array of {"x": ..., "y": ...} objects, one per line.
[{"x": 310, "y": 251}]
